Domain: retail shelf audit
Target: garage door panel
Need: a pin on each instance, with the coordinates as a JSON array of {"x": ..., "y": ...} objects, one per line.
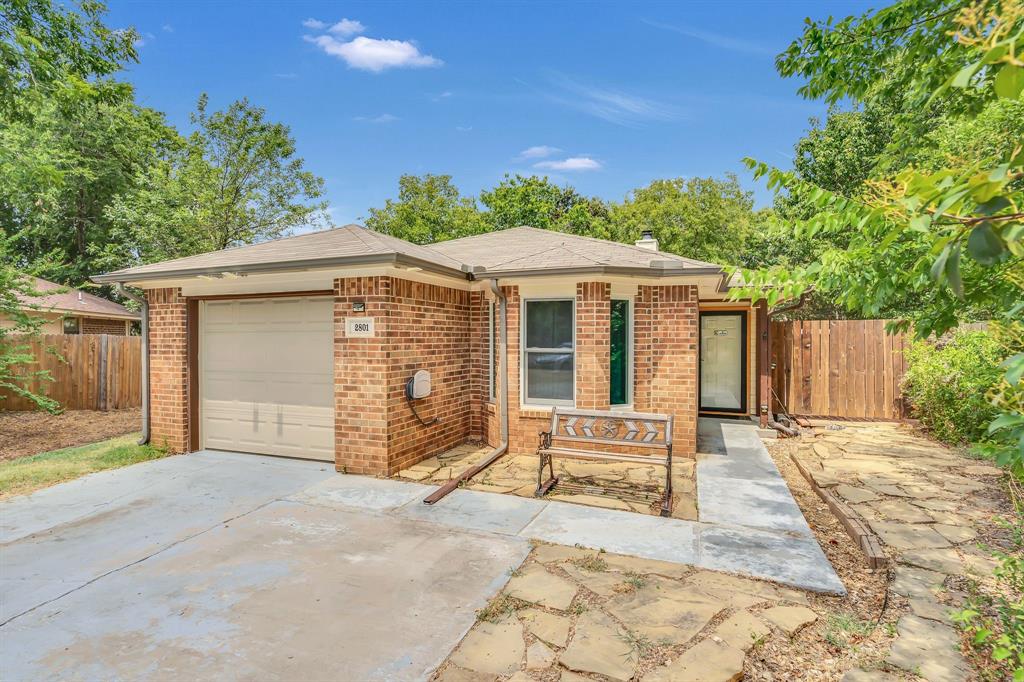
[{"x": 268, "y": 377}]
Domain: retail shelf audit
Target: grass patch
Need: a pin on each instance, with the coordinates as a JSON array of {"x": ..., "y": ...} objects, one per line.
[
  {"x": 496, "y": 609},
  {"x": 25, "y": 474},
  {"x": 844, "y": 629},
  {"x": 594, "y": 563}
]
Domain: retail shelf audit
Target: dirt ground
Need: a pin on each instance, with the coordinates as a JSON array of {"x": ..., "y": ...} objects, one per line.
[{"x": 29, "y": 433}]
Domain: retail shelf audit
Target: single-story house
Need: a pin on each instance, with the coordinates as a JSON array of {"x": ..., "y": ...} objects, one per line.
[
  {"x": 304, "y": 346},
  {"x": 70, "y": 311}
]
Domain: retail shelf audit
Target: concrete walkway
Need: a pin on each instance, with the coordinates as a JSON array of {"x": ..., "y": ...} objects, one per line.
[{"x": 749, "y": 522}]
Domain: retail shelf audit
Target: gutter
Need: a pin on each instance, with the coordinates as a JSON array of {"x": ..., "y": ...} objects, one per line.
[
  {"x": 502, "y": 448},
  {"x": 659, "y": 269},
  {"x": 141, "y": 300}
]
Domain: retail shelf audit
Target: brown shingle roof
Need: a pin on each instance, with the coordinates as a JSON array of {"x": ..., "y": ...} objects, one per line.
[
  {"x": 72, "y": 301},
  {"x": 519, "y": 250},
  {"x": 341, "y": 245}
]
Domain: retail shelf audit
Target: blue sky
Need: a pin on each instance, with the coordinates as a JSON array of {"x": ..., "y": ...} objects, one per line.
[{"x": 604, "y": 96}]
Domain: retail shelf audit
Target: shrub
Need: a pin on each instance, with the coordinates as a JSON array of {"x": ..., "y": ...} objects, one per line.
[{"x": 946, "y": 383}]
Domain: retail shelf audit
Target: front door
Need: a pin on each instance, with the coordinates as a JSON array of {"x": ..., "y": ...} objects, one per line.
[{"x": 723, "y": 361}]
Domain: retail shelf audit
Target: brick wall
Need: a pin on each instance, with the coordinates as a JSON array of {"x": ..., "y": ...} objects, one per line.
[
  {"x": 417, "y": 326},
  {"x": 593, "y": 345},
  {"x": 665, "y": 362},
  {"x": 360, "y": 377},
  {"x": 665, "y": 327},
  {"x": 168, "y": 348},
  {"x": 428, "y": 329}
]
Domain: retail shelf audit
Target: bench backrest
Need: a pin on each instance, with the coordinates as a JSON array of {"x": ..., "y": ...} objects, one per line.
[{"x": 612, "y": 428}]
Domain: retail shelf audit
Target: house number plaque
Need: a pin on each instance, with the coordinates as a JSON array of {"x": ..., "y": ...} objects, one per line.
[{"x": 359, "y": 327}]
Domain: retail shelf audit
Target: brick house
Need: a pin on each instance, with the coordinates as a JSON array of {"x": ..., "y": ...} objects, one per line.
[
  {"x": 70, "y": 311},
  {"x": 303, "y": 346}
]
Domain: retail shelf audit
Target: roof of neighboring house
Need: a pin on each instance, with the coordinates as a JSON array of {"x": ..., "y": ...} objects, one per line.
[
  {"x": 515, "y": 251},
  {"x": 64, "y": 300}
]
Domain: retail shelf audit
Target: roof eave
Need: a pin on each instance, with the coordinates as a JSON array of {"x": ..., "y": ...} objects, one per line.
[{"x": 126, "y": 276}]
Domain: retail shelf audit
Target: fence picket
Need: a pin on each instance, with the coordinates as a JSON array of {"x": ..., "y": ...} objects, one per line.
[{"x": 75, "y": 364}]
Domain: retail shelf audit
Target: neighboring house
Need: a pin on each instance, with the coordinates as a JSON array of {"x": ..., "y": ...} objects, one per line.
[
  {"x": 70, "y": 311},
  {"x": 303, "y": 346}
]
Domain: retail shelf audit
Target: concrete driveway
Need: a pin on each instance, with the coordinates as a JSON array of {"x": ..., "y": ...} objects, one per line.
[{"x": 216, "y": 565}]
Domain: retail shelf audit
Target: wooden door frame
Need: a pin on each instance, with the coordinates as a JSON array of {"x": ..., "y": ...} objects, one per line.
[{"x": 744, "y": 350}]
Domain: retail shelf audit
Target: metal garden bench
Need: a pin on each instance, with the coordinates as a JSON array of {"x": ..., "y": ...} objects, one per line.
[{"x": 584, "y": 434}]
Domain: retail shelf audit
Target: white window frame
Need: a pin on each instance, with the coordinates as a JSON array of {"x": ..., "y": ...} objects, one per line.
[
  {"x": 543, "y": 403},
  {"x": 491, "y": 388},
  {"x": 630, "y": 355}
]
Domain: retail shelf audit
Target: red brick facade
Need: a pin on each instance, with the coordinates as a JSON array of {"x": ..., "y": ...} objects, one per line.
[
  {"x": 665, "y": 362},
  {"x": 168, "y": 369},
  {"x": 445, "y": 330}
]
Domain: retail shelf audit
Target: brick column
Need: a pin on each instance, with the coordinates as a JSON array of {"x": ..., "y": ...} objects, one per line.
[
  {"x": 168, "y": 369},
  {"x": 361, "y": 378},
  {"x": 666, "y": 362},
  {"x": 480, "y": 368},
  {"x": 593, "y": 345}
]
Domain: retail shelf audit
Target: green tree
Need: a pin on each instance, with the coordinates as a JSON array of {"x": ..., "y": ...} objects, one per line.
[
  {"x": 951, "y": 235},
  {"x": 703, "y": 218},
  {"x": 235, "y": 180},
  {"x": 45, "y": 46},
  {"x": 429, "y": 209},
  {"x": 77, "y": 150},
  {"x": 536, "y": 201}
]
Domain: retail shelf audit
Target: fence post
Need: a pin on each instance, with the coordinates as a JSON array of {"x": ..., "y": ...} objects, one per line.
[{"x": 103, "y": 373}]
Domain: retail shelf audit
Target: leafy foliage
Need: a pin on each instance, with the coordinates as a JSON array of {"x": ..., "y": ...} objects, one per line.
[
  {"x": 996, "y": 624},
  {"x": 16, "y": 293},
  {"x": 701, "y": 218},
  {"x": 235, "y": 180},
  {"x": 46, "y": 46},
  {"x": 948, "y": 234},
  {"x": 530, "y": 200},
  {"x": 429, "y": 209},
  {"x": 947, "y": 383}
]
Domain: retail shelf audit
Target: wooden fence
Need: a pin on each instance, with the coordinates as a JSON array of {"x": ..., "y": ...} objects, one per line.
[
  {"x": 89, "y": 371},
  {"x": 838, "y": 368}
]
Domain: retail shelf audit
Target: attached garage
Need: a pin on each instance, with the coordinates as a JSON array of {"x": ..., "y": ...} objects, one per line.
[{"x": 266, "y": 376}]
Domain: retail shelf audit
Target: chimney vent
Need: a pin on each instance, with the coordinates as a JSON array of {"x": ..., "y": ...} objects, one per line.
[{"x": 647, "y": 241}]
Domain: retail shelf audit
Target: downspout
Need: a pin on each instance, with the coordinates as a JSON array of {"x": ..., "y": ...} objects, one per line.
[
  {"x": 141, "y": 300},
  {"x": 502, "y": 397}
]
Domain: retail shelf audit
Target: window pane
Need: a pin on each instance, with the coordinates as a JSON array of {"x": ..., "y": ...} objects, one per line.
[
  {"x": 620, "y": 353},
  {"x": 549, "y": 376},
  {"x": 549, "y": 324}
]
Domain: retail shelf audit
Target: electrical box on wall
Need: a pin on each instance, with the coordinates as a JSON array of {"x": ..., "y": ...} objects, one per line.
[{"x": 419, "y": 385}]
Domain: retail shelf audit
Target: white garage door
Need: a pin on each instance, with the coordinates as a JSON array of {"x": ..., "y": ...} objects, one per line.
[{"x": 267, "y": 368}]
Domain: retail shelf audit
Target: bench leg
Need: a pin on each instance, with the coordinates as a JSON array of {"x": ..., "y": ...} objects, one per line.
[
  {"x": 666, "y": 506},
  {"x": 544, "y": 486}
]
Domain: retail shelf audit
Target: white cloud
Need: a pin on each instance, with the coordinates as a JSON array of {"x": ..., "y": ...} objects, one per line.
[
  {"x": 610, "y": 105},
  {"x": 346, "y": 27},
  {"x": 287, "y": 75},
  {"x": 541, "y": 151},
  {"x": 573, "y": 163},
  {"x": 383, "y": 118},
  {"x": 314, "y": 24},
  {"x": 716, "y": 39},
  {"x": 371, "y": 54},
  {"x": 443, "y": 95},
  {"x": 464, "y": 129},
  {"x": 167, "y": 28}
]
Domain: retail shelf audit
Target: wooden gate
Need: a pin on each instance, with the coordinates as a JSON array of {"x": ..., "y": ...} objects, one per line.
[
  {"x": 89, "y": 371},
  {"x": 838, "y": 368}
]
